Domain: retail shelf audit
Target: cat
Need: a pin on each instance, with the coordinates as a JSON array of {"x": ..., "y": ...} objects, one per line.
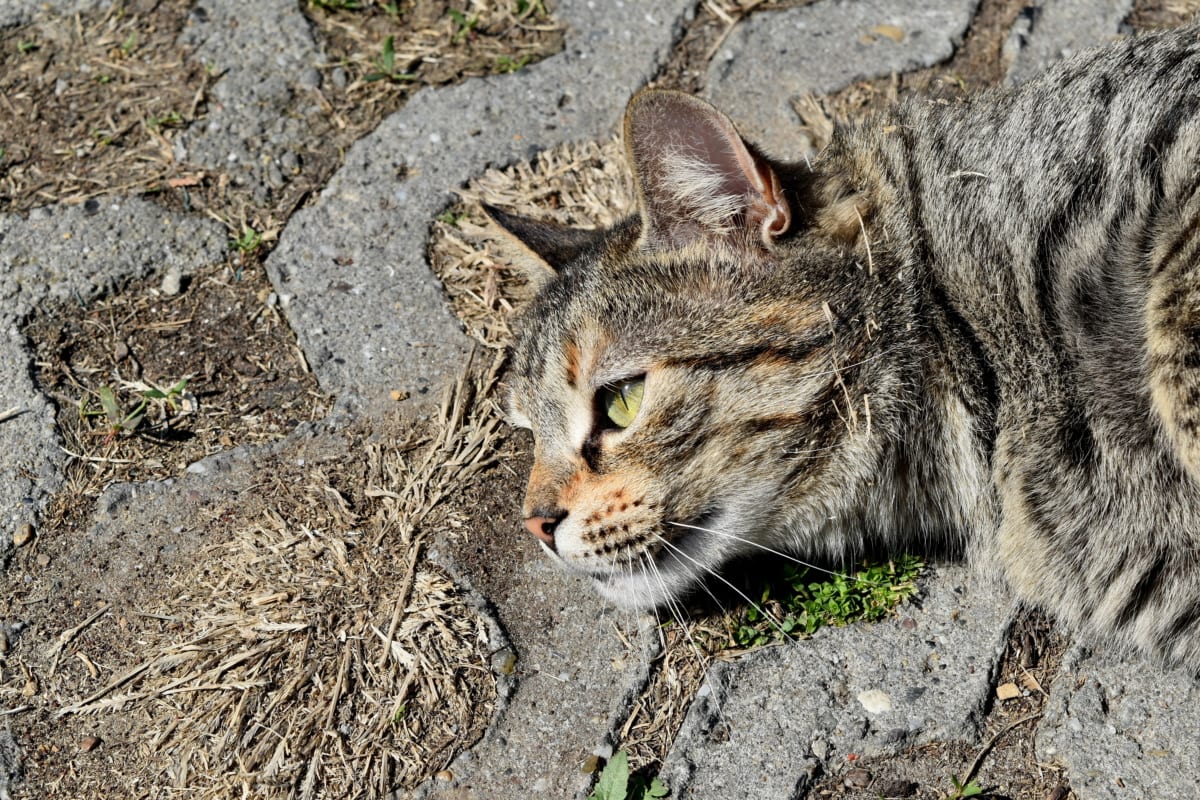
[{"x": 975, "y": 325}]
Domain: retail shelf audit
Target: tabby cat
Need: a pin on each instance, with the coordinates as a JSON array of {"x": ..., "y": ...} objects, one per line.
[{"x": 974, "y": 324}]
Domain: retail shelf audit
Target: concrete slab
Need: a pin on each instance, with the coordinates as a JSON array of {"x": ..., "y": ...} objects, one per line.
[
  {"x": 265, "y": 53},
  {"x": 776, "y": 57},
  {"x": 20, "y": 12},
  {"x": 1123, "y": 728},
  {"x": 363, "y": 301},
  {"x": 60, "y": 254},
  {"x": 768, "y": 723},
  {"x": 1048, "y": 31}
]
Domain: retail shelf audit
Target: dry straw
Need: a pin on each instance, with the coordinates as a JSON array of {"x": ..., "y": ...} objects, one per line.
[{"x": 315, "y": 652}]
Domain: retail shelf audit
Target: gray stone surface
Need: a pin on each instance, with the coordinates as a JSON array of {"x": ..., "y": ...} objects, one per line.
[
  {"x": 20, "y": 12},
  {"x": 366, "y": 308},
  {"x": 777, "y": 56},
  {"x": 1123, "y": 728},
  {"x": 71, "y": 254},
  {"x": 254, "y": 126},
  {"x": 1048, "y": 30},
  {"x": 576, "y": 681},
  {"x": 769, "y": 722}
]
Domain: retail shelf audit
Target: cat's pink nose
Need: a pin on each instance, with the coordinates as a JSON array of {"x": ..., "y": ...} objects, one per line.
[{"x": 543, "y": 527}]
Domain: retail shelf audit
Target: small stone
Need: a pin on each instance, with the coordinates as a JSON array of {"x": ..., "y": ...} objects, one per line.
[
  {"x": 398, "y": 395},
  {"x": 172, "y": 281},
  {"x": 23, "y": 534},
  {"x": 339, "y": 78},
  {"x": 120, "y": 351},
  {"x": 590, "y": 765},
  {"x": 820, "y": 748},
  {"x": 1007, "y": 691},
  {"x": 504, "y": 662},
  {"x": 89, "y": 743},
  {"x": 43, "y": 560},
  {"x": 311, "y": 78},
  {"x": 290, "y": 161},
  {"x": 875, "y": 701},
  {"x": 857, "y": 779},
  {"x": 444, "y": 775}
]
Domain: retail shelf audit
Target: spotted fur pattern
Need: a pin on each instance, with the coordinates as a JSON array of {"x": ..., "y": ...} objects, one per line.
[{"x": 974, "y": 324}]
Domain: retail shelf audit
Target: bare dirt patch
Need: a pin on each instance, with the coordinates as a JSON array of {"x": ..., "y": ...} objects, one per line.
[
  {"x": 223, "y": 333},
  {"x": 92, "y": 103}
]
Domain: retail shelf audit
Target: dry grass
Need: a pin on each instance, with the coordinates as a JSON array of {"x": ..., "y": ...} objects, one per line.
[
  {"x": 91, "y": 104},
  {"x": 312, "y": 651},
  {"x": 585, "y": 185}
]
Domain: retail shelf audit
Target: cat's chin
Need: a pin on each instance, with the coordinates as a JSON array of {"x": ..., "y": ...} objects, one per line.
[{"x": 641, "y": 591}]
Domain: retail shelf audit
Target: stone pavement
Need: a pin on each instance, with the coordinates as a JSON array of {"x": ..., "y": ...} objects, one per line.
[{"x": 371, "y": 318}]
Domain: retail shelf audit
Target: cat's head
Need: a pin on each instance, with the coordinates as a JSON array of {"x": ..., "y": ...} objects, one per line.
[{"x": 687, "y": 375}]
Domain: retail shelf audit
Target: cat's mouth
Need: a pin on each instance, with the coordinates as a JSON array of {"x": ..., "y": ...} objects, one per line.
[{"x": 678, "y": 558}]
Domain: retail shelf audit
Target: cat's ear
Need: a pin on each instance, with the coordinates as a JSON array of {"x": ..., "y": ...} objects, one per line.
[
  {"x": 545, "y": 247},
  {"x": 696, "y": 177}
]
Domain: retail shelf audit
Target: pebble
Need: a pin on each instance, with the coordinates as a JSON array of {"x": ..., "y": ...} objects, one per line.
[
  {"x": 43, "y": 560},
  {"x": 857, "y": 779},
  {"x": 875, "y": 701},
  {"x": 339, "y": 78},
  {"x": 311, "y": 78},
  {"x": 23, "y": 534},
  {"x": 172, "y": 281},
  {"x": 89, "y": 743}
]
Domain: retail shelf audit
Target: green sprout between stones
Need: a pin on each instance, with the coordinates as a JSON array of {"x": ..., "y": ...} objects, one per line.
[
  {"x": 465, "y": 24},
  {"x": 336, "y": 5},
  {"x": 962, "y": 790},
  {"x": 616, "y": 783},
  {"x": 129, "y": 43},
  {"x": 802, "y": 603},
  {"x": 448, "y": 217},
  {"x": 125, "y": 422},
  {"x": 385, "y": 65},
  {"x": 168, "y": 120},
  {"x": 522, "y": 8},
  {"x": 249, "y": 241},
  {"x": 510, "y": 64},
  {"x": 27, "y": 46}
]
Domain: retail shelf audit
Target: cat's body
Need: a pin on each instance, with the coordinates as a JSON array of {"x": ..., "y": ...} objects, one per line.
[{"x": 974, "y": 323}]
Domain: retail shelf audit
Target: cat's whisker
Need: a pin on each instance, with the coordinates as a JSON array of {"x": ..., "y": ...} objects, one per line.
[
  {"x": 703, "y": 660},
  {"x": 767, "y": 615},
  {"x": 775, "y": 552}
]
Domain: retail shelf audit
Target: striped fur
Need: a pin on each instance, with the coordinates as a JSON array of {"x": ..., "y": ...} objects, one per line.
[{"x": 971, "y": 325}]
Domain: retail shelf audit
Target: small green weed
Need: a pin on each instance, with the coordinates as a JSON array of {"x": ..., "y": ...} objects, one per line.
[
  {"x": 803, "y": 604},
  {"x": 385, "y": 65},
  {"x": 961, "y": 790},
  {"x": 533, "y": 8},
  {"x": 169, "y": 120},
  {"x": 249, "y": 241},
  {"x": 510, "y": 64},
  {"x": 616, "y": 783},
  {"x": 129, "y": 43},
  {"x": 125, "y": 422},
  {"x": 27, "y": 46},
  {"x": 465, "y": 24},
  {"x": 450, "y": 218},
  {"x": 336, "y": 5}
]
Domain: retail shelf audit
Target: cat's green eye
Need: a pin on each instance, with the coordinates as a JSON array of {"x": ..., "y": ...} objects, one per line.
[{"x": 621, "y": 401}]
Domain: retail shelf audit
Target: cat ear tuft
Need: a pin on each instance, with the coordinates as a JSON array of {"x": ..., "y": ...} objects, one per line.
[
  {"x": 545, "y": 247},
  {"x": 696, "y": 177}
]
